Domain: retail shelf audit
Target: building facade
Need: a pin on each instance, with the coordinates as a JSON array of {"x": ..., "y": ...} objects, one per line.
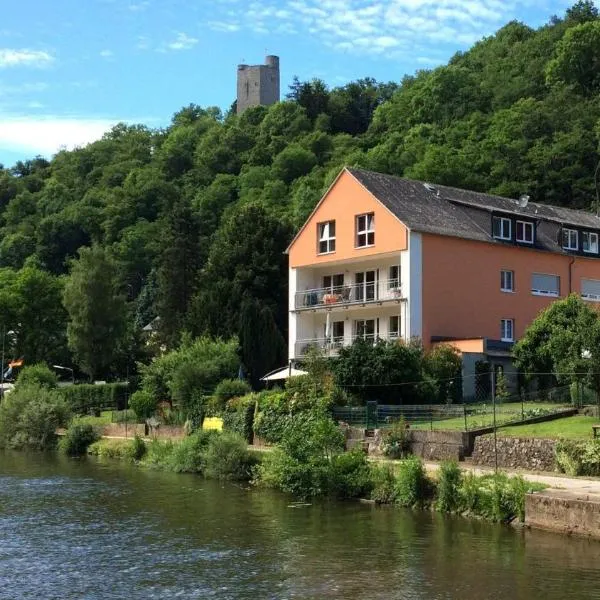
[
  {"x": 387, "y": 258},
  {"x": 258, "y": 85}
]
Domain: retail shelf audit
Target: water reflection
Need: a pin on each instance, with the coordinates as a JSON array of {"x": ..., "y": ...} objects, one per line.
[{"x": 82, "y": 529}]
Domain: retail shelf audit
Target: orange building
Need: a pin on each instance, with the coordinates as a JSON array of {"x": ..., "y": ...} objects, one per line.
[{"x": 385, "y": 257}]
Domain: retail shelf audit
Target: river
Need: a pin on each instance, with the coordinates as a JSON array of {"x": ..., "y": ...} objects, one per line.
[{"x": 73, "y": 529}]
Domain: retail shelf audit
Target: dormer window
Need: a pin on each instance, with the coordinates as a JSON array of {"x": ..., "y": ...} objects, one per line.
[
  {"x": 501, "y": 227},
  {"x": 590, "y": 242},
  {"x": 326, "y": 237},
  {"x": 525, "y": 232},
  {"x": 570, "y": 239}
]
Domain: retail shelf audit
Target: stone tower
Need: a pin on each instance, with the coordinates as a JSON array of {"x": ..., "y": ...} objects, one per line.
[{"x": 258, "y": 84}]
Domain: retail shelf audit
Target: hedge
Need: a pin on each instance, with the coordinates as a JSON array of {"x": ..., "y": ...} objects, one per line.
[
  {"x": 238, "y": 416},
  {"x": 84, "y": 398}
]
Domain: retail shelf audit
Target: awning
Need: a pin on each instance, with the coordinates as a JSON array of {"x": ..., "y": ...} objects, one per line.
[{"x": 283, "y": 373}]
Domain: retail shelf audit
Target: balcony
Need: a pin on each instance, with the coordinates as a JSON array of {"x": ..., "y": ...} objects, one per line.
[
  {"x": 331, "y": 346},
  {"x": 358, "y": 294}
]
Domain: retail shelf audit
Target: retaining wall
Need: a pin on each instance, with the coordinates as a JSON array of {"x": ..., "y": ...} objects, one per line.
[
  {"x": 531, "y": 454},
  {"x": 563, "y": 511}
]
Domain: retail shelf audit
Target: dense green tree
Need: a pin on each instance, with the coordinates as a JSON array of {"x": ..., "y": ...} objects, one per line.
[{"x": 98, "y": 313}]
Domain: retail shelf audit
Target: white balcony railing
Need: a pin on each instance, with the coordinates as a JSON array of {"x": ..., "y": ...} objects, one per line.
[
  {"x": 357, "y": 293},
  {"x": 331, "y": 346}
]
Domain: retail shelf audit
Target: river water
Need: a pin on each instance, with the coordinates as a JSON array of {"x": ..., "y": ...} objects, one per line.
[{"x": 86, "y": 529}]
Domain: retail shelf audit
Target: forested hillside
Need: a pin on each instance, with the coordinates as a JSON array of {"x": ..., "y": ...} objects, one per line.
[{"x": 190, "y": 222}]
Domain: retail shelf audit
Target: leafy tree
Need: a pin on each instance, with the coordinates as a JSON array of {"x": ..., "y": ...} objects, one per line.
[
  {"x": 39, "y": 374},
  {"x": 443, "y": 364},
  {"x": 97, "y": 311}
]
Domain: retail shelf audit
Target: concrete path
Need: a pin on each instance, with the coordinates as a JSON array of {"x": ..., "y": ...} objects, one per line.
[{"x": 560, "y": 485}]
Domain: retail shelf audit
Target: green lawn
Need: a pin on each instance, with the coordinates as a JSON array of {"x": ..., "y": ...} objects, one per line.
[
  {"x": 106, "y": 418},
  {"x": 482, "y": 416},
  {"x": 578, "y": 426}
]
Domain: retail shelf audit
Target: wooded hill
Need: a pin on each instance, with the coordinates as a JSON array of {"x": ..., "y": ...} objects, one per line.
[{"x": 190, "y": 222}]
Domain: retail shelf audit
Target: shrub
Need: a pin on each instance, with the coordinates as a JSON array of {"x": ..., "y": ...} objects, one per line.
[
  {"x": 76, "y": 440},
  {"x": 412, "y": 485},
  {"x": 384, "y": 485},
  {"x": 228, "y": 389},
  {"x": 227, "y": 457},
  {"x": 29, "y": 417},
  {"x": 350, "y": 476},
  {"x": 569, "y": 457},
  {"x": 158, "y": 453},
  {"x": 86, "y": 398},
  {"x": 448, "y": 486},
  {"x": 396, "y": 442},
  {"x": 578, "y": 457},
  {"x": 138, "y": 448},
  {"x": 469, "y": 493},
  {"x": 115, "y": 449},
  {"x": 143, "y": 404},
  {"x": 239, "y": 416},
  {"x": 39, "y": 374}
]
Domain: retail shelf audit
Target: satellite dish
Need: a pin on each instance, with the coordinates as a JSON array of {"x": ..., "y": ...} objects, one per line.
[{"x": 523, "y": 200}]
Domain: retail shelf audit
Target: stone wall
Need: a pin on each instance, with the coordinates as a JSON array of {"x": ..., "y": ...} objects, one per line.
[
  {"x": 515, "y": 453},
  {"x": 162, "y": 432},
  {"x": 563, "y": 511}
]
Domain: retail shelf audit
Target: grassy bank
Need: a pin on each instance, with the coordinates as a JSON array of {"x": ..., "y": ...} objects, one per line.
[{"x": 576, "y": 427}]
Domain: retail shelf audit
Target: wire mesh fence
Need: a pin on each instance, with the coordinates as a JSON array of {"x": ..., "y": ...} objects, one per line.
[{"x": 464, "y": 416}]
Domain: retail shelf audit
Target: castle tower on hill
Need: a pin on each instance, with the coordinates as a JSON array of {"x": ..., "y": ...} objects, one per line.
[{"x": 258, "y": 84}]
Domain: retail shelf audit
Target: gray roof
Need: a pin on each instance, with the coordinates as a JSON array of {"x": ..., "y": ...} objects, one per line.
[{"x": 461, "y": 213}]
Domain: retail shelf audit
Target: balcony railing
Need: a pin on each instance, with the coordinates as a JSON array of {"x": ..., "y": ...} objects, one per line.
[
  {"x": 357, "y": 293},
  {"x": 331, "y": 346}
]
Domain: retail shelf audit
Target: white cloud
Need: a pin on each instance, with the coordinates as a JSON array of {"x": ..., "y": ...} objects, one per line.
[
  {"x": 11, "y": 57},
  {"x": 106, "y": 53},
  {"x": 139, "y": 6},
  {"x": 47, "y": 134},
  {"x": 377, "y": 27},
  {"x": 182, "y": 42}
]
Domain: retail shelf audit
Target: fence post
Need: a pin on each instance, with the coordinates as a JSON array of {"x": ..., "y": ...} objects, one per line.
[
  {"x": 522, "y": 407},
  {"x": 465, "y": 414},
  {"x": 494, "y": 413},
  {"x": 430, "y": 418}
]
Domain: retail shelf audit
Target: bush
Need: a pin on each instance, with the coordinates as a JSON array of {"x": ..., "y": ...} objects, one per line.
[
  {"x": 383, "y": 485},
  {"x": 448, "y": 486},
  {"x": 413, "y": 488},
  {"x": 350, "y": 476},
  {"x": 228, "y": 389},
  {"x": 39, "y": 374},
  {"x": 143, "y": 404},
  {"x": 239, "y": 416},
  {"x": 114, "y": 449},
  {"x": 138, "y": 448},
  {"x": 227, "y": 457},
  {"x": 189, "y": 454},
  {"x": 76, "y": 440},
  {"x": 578, "y": 457},
  {"x": 396, "y": 442},
  {"x": 86, "y": 398},
  {"x": 30, "y": 416}
]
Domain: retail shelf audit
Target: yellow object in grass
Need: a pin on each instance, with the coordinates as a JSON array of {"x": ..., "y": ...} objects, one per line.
[{"x": 213, "y": 423}]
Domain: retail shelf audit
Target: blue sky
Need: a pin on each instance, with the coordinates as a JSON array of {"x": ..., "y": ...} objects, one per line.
[{"x": 69, "y": 69}]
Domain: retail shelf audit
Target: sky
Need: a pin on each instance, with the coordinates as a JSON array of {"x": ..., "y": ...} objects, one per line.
[{"x": 70, "y": 69}]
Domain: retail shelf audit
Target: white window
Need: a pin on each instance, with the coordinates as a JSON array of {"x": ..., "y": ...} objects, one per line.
[
  {"x": 394, "y": 278},
  {"x": 333, "y": 284},
  {"x": 326, "y": 233},
  {"x": 365, "y": 230},
  {"x": 507, "y": 327},
  {"x": 365, "y": 328},
  {"x": 545, "y": 285},
  {"x": 590, "y": 289},
  {"x": 336, "y": 335},
  {"x": 394, "y": 327},
  {"x": 590, "y": 242},
  {"x": 365, "y": 286},
  {"x": 507, "y": 281},
  {"x": 525, "y": 232},
  {"x": 501, "y": 228},
  {"x": 570, "y": 239}
]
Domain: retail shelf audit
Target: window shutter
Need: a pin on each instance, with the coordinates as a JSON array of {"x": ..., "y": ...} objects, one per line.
[
  {"x": 545, "y": 284},
  {"x": 590, "y": 288}
]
